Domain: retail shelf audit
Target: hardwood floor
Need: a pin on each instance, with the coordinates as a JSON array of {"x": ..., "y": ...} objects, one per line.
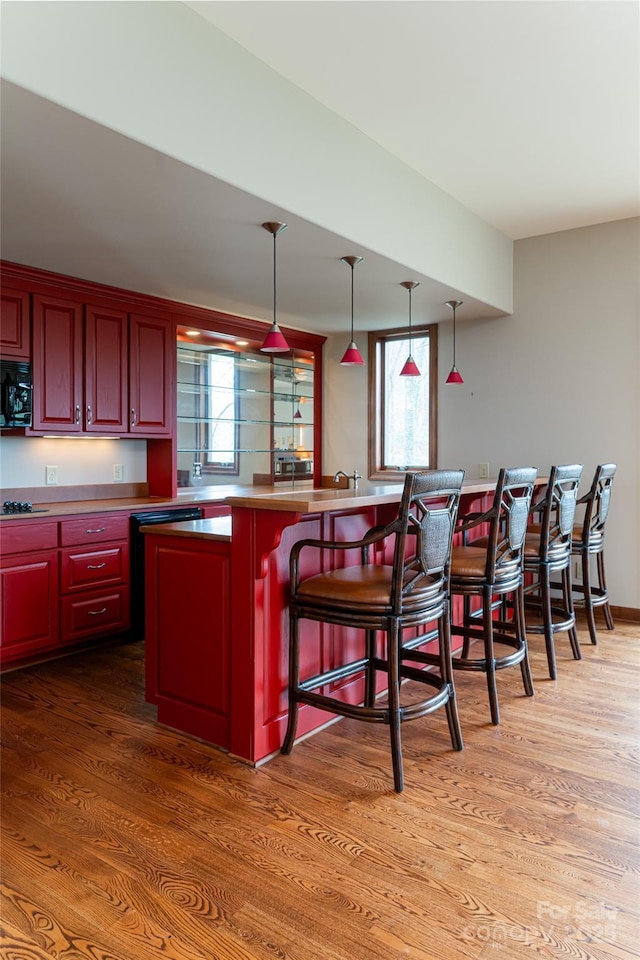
[{"x": 123, "y": 840}]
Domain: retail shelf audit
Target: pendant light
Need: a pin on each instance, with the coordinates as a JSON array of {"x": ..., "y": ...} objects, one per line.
[
  {"x": 454, "y": 376},
  {"x": 274, "y": 341},
  {"x": 410, "y": 368},
  {"x": 352, "y": 356}
]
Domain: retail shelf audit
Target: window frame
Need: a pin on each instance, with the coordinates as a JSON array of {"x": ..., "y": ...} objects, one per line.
[{"x": 377, "y": 339}]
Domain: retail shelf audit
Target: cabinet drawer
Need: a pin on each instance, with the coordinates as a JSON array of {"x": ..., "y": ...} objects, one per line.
[
  {"x": 103, "y": 611},
  {"x": 94, "y": 529},
  {"x": 89, "y": 568},
  {"x": 25, "y": 537}
]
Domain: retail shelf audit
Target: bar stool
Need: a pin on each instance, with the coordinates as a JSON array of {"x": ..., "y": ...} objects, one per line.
[
  {"x": 547, "y": 551},
  {"x": 411, "y": 592},
  {"x": 491, "y": 568},
  {"x": 588, "y": 541}
]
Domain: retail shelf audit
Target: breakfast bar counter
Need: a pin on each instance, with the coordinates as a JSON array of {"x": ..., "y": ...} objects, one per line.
[{"x": 217, "y": 594}]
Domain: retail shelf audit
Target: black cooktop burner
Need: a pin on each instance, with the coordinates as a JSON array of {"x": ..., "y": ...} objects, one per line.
[{"x": 21, "y": 506}]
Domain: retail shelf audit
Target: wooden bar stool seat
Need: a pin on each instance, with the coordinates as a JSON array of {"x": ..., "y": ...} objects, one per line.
[{"x": 412, "y": 592}]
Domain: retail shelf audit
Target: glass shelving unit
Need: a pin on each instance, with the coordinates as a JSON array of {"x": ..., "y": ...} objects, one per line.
[{"x": 243, "y": 417}]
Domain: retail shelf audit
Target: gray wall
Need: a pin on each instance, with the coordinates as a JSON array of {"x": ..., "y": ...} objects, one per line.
[{"x": 556, "y": 382}]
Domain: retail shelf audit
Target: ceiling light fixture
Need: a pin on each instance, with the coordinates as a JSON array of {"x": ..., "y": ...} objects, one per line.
[
  {"x": 274, "y": 342},
  {"x": 352, "y": 356},
  {"x": 454, "y": 376},
  {"x": 410, "y": 368}
]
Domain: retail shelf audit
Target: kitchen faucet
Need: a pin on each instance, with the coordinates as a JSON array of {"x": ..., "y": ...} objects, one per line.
[{"x": 355, "y": 476}]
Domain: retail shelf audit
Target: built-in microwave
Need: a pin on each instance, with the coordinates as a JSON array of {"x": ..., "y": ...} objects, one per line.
[{"x": 16, "y": 392}]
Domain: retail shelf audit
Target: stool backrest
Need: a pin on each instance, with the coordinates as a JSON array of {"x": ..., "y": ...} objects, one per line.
[
  {"x": 427, "y": 515},
  {"x": 558, "y": 512},
  {"x": 508, "y": 522},
  {"x": 597, "y": 502}
]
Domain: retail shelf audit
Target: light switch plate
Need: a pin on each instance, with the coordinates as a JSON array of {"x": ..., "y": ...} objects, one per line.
[{"x": 483, "y": 470}]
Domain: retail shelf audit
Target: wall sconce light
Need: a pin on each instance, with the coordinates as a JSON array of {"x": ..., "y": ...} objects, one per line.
[
  {"x": 454, "y": 376},
  {"x": 410, "y": 368},
  {"x": 352, "y": 356},
  {"x": 274, "y": 342}
]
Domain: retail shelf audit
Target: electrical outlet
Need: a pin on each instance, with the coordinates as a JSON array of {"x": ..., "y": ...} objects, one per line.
[
  {"x": 118, "y": 472},
  {"x": 483, "y": 470},
  {"x": 51, "y": 474}
]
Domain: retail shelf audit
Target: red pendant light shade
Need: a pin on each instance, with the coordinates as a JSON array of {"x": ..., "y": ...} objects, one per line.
[
  {"x": 410, "y": 368},
  {"x": 352, "y": 356},
  {"x": 454, "y": 375},
  {"x": 274, "y": 342}
]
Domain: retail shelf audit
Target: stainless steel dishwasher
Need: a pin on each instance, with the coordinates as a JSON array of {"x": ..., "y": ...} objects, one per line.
[{"x": 138, "y": 520}]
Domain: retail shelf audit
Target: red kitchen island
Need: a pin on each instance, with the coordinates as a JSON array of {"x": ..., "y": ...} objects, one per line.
[{"x": 217, "y": 620}]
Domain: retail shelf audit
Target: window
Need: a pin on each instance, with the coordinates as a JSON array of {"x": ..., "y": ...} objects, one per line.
[
  {"x": 220, "y": 437},
  {"x": 402, "y": 410}
]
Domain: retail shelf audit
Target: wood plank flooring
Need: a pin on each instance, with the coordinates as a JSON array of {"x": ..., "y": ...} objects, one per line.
[{"x": 123, "y": 840}]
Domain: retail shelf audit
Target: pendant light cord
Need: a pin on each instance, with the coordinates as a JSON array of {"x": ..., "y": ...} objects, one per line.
[
  {"x": 352, "y": 267},
  {"x": 454, "y": 336},
  {"x": 274, "y": 277}
]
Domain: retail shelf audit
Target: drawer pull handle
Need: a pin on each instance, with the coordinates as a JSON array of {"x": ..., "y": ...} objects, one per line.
[
  {"x": 133, "y": 416},
  {"x": 96, "y": 613},
  {"x": 99, "y": 530},
  {"x": 89, "y": 414},
  {"x": 95, "y": 566},
  {"x": 77, "y": 413}
]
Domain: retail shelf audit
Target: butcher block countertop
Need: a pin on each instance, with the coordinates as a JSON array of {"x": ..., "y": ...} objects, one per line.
[
  {"x": 218, "y": 528},
  {"x": 324, "y": 501},
  {"x": 301, "y": 499}
]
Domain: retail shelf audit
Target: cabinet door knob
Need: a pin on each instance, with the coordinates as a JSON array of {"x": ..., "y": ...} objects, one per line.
[
  {"x": 88, "y": 414},
  {"x": 77, "y": 413},
  {"x": 133, "y": 416}
]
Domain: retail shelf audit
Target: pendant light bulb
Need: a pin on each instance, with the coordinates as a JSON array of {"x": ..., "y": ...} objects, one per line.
[
  {"x": 352, "y": 356},
  {"x": 410, "y": 368},
  {"x": 454, "y": 375},
  {"x": 275, "y": 341}
]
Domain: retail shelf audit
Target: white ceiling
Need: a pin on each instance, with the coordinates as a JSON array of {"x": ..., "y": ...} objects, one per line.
[{"x": 526, "y": 112}]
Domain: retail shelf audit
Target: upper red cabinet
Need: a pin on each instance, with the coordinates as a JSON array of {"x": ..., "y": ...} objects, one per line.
[
  {"x": 151, "y": 377},
  {"x": 106, "y": 366},
  {"x": 57, "y": 365},
  {"x": 15, "y": 326},
  {"x": 99, "y": 370}
]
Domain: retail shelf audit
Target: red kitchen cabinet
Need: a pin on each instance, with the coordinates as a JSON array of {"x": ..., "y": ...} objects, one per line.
[
  {"x": 15, "y": 324},
  {"x": 188, "y": 645},
  {"x": 151, "y": 376},
  {"x": 57, "y": 365},
  {"x": 94, "y": 576},
  {"x": 28, "y": 590},
  {"x": 100, "y": 370},
  {"x": 106, "y": 367}
]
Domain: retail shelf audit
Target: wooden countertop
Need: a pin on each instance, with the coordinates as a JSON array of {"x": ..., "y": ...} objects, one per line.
[
  {"x": 323, "y": 501},
  {"x": 302, "y": 499},
  {"x": 218, "y": 528}
]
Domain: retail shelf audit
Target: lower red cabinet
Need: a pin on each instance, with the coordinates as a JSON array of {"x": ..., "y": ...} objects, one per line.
[
  {"x": 94, "y": 613},
  {"x": 62, "y": 582},
  {"x": 94, "y": 576},
  {"x": 187, "y": 652},
  {"x": 29, "y": 599}
]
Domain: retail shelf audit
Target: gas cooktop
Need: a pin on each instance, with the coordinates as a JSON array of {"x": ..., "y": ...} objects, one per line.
[{"x": 21, "y": 506}]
